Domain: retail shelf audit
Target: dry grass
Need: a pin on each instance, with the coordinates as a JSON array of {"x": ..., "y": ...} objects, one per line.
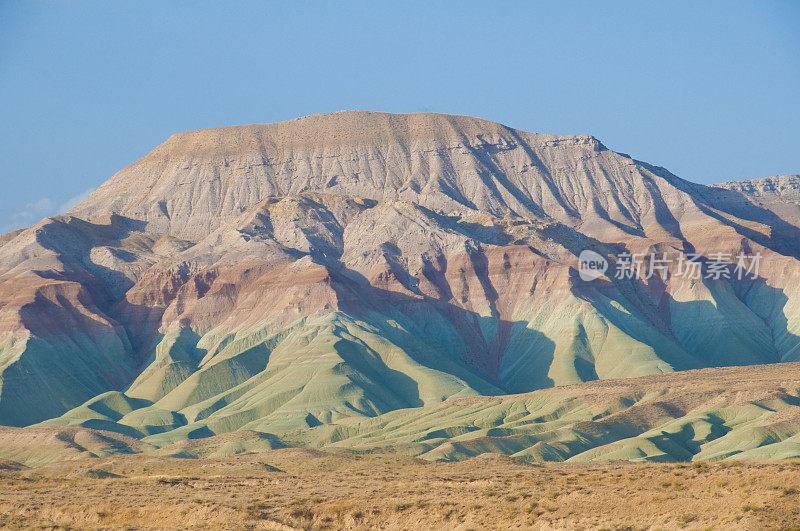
[{"x": 295, "y": 488}]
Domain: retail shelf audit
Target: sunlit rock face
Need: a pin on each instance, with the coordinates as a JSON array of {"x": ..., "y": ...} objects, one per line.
[{"x": 342, "y": 266}]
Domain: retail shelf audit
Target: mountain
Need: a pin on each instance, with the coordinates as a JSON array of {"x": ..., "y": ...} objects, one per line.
[{"x": 331, "y": 270}]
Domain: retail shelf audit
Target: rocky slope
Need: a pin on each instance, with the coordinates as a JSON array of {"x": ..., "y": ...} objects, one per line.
[{"x": 340, "y": 267}]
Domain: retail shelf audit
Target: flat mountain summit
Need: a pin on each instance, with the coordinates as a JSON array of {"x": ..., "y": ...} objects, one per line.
[
  {"x": 311, "y": 280},
  {"x": 196, "y": 181}
]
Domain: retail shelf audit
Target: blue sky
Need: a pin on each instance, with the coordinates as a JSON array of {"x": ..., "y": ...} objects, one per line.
[{"x": 706, "y": 89}]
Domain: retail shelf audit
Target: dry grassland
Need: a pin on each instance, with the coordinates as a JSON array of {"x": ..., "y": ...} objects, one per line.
[{"x": 293, "y": 489}]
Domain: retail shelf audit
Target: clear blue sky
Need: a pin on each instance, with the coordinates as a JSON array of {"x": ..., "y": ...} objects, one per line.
[{"x": 711, "y": 90}]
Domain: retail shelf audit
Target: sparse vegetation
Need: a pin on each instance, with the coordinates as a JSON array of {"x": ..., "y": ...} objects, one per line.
[
  {"x": 318, "y": 490},
  {"x": 97, "y": 473}
]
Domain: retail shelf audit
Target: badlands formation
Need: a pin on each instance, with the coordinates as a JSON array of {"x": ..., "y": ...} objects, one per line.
[{"x": 365, "y": 281}]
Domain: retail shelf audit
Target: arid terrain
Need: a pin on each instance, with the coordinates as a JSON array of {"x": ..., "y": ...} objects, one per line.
[
  {"x": 615, "y": 436},
  {"x": 365, "y": 319},
  {"x": 301, "y": 489}
]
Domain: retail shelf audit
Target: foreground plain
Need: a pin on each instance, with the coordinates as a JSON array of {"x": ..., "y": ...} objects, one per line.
[{"x": 299, "y": 488}]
